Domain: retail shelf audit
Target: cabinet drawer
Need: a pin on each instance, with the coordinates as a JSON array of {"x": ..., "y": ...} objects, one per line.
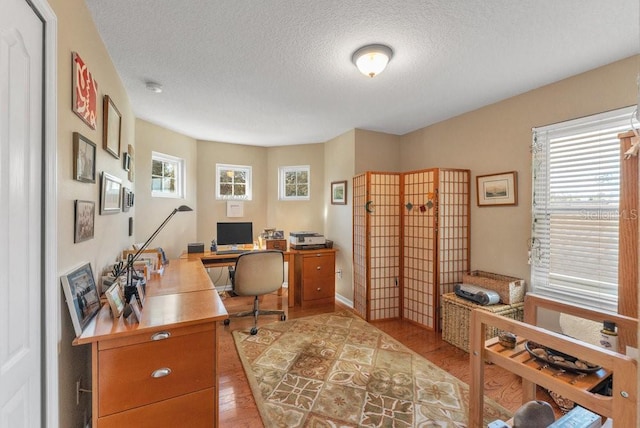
[
  {"x": 321, "y": 288},
  {"x": 318, "y": 266},
  {"x": 148, "y": 372},
  {"x": 196, "y": 410}
]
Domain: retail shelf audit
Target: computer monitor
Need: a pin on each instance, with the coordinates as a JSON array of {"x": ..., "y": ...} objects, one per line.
[{"x": 235, "y": 233}]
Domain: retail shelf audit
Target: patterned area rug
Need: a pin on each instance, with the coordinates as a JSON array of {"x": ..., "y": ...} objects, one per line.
[{"x": 336, "y": 370}]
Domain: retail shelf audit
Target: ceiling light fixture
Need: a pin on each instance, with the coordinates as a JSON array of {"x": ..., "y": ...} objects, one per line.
[
  {"x": 371, "y": 60},
  {"x": 154, "y": 87}
]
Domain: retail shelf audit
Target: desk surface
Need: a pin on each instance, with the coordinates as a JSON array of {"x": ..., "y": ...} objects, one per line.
[{"x": 183, "y": 295}]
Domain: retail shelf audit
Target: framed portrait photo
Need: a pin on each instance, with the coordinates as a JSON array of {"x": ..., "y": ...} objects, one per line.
[
  {"x": 82, "y": 295},
  {"x": 85, "y": 214},
  {"x": 110, "y": 194},
  {"x": 111, "y": 127},
  {"x": 116, "y": 299},
  {"x": 339, "y": 192},
  {"x": 84, "y": 159},
  {"x": 497, "y": 189}
]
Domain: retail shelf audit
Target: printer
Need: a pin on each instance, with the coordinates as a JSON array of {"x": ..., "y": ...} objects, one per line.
[
  {"x": 306, "y": 240},
  {"x": 476, "y": 294}
]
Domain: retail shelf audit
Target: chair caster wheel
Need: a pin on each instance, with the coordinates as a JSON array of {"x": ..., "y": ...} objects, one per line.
[
  {"x": 283, "y": 317},
  {"x": 253, "y": 331},
  {"x": 227, "y": 321}
]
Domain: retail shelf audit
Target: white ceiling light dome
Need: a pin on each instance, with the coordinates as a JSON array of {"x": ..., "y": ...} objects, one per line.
[{"x": 371, "y": 60}]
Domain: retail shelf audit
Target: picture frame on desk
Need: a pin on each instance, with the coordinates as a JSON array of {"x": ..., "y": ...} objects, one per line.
[
  {"x": 82, "y": 296},
  {"x": 116, "y": 299}
]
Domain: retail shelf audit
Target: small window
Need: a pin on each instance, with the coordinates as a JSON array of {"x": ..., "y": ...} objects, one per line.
[
  {"x": 167, "y": 176},
  {"x": 233, "y": 182},
  {"x": 295, "y": 183}
]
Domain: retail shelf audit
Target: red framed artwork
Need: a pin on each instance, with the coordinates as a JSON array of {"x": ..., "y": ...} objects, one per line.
[{"x": 85, "y": 92}]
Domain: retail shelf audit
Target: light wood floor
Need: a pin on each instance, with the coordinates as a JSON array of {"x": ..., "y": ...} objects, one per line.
[{"x": 238, "y": 408}]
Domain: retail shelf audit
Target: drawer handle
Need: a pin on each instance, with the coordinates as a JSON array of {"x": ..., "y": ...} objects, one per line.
[
  {"x": 317, "y": 267},
  {"x": 318, "y": 289},
  {"x": 161, "y": 335},
  {"x": 165, "y": 371}
]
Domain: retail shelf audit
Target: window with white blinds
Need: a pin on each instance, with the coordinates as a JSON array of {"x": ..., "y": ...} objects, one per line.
[{"x": 576, "y": 196}]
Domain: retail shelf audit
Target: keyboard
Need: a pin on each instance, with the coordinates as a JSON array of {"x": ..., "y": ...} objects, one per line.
[{"x": 223, "y": 252}]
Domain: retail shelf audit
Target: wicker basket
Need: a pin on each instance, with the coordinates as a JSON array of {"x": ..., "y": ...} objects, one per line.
[
  {"x": 510, "y": 289},
  {"x": 456, "y": 315}
]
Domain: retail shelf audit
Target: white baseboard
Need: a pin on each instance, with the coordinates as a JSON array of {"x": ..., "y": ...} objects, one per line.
[{"x": 344, "y": 301}]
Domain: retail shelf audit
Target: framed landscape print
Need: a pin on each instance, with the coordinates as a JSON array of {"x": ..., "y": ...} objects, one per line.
[
  {"x": 82, "y": 296},
  {"x": 84, "y": 159},
  {"x": 339, "y": 192},
  {"x": 112, "y": 125},
  {"x": 85, "y": 92},
  {"x": 85, "y": 212},
  {"x": 497, "y": 189},
  {"x": 110, "y": 194}
]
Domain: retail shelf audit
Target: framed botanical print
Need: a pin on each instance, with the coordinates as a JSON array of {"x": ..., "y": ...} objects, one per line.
[{"x": 339, "y": 192}]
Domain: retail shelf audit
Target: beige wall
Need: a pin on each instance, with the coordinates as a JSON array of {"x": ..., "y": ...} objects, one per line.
[
  {"x": 376, "y": 151},
  {"x": 76, "y": 32},
  {"x": 497, "y": 138},
  {"x": 151, "y": 212},
  {"x": 340, "y": 159}
]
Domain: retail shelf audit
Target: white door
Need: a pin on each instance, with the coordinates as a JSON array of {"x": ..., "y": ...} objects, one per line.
[{"x": 21, "y": 149}]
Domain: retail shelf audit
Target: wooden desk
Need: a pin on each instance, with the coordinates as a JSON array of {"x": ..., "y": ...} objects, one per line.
[
  {"x": 162, "y": 371},
  {"x": 211, "y": 259}
]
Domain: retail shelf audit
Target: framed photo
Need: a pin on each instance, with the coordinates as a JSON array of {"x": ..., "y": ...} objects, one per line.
[
  {"x": 116, "y": 299},
  {"x": 339, "y": 192},
  {"x": 84, "y": 159},
  {"x": 110, "y": 198},
  {"x": 85, "y": 92},
  {"x": 126, "y": 161},
  {"x": 111, "y": 127},
  {"x": 130, "y": 151},
  {"x": 136, "y": 310},
  {"x": 85, "y": 212},
  {"x": 82, "y": 296},
  {"x": 497, "y": 189},
  {"x": 127, "y": 199}
]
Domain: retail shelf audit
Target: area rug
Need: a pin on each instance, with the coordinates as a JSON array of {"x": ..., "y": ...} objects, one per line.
[{"x": 337, "y": 370}]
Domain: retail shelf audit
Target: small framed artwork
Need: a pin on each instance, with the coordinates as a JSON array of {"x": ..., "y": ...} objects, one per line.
[
  {"x": 111, "y": 127},
  {"x": 497, "y": 189},
  {"x": 110, "y": 198},
  {"x": 85, "y": 92},
  {"x": 126, "y": 161},
  {"x": 130, "y": 151},
  {"x": 84, "y": 159},
  {"x": 339, "y": 192},
  {"x": 116, "y": 299},
  {"x": 137, "y": 311},
  {"x": 82, "y": 296},
  {"x": 85, "y": 212},
  {"x": 127, "y": 199}
]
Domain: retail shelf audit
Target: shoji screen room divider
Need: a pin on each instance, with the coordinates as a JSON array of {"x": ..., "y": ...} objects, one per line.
[{"x": 410, "y": 242}]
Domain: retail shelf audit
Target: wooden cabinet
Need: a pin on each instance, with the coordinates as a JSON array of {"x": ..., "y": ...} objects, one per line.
[
  {"x": 161, "y": 371},
  {"x": 315, "y": 270}
]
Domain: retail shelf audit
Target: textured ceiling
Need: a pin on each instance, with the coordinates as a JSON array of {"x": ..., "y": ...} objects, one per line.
[{"x": 277, "y": 72}]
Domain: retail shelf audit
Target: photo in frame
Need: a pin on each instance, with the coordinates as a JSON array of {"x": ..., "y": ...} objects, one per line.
[
  {"x": 339, "y": 192},
  {"x": 127, "y": 199},
  {"x": 130, "y": 151},
  {"x": 116, "y": 299},
  {"x": 82, "y": 296},
  {"x": 85, "y": 92},
  {"x": 84, "y": 159},
  {"x": 85, "y": 212},
  {"x": 111, "y": 127},
  {"x": 126, "y": 161},
  {"x": 497, "y": 189},
  {"x": 110, "y": 194}
]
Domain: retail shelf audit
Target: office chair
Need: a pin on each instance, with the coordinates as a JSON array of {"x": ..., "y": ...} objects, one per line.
[{"x": 257, "y": 273}]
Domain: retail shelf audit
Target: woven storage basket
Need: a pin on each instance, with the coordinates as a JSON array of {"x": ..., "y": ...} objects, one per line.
[
  {"x": 456, "y": 316},
  {"x": 510, "y": 289}
]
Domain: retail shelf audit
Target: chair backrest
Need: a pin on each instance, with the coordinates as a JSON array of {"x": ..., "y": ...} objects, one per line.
[{"x": 259, "y": 272}]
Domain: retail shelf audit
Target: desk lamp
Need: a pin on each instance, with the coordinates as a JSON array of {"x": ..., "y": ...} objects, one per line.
[{"x": 130, "y": 288}]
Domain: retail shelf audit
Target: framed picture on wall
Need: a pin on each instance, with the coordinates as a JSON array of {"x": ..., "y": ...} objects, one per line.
[
  {"x": 497, "y": 189},
  {"x": 110, "y": 196},
  {"x": 339, "y": 192},
  {"x": 84, "y": 159},
  {"x": 111, "y": 127},
  {"x": 85, "y": 212},
  {"x": 85, "y": 92}
]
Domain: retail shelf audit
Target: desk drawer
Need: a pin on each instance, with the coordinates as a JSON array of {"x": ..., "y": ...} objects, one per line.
[
  {"x": 181, "y": 365},
  {"x": 196, "y": 410}
]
